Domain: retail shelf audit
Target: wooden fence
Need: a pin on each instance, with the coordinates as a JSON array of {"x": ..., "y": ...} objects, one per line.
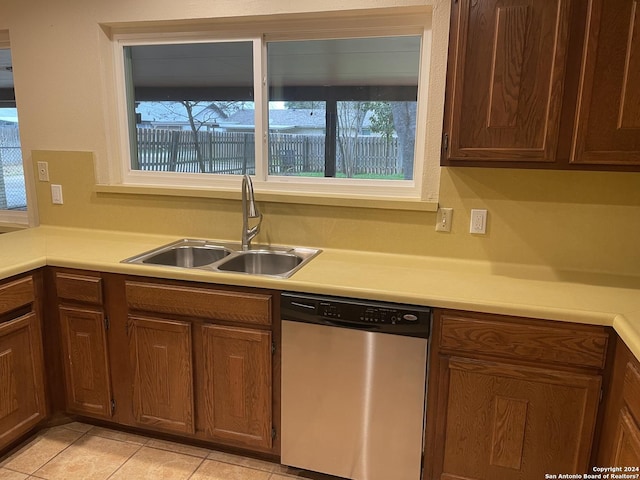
[
  {"x": 175, "y": 151},
  {"x": 230, "y": 152}
]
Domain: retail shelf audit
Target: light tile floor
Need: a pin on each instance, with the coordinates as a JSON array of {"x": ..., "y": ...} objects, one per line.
[{"x": 77, "y": 451}]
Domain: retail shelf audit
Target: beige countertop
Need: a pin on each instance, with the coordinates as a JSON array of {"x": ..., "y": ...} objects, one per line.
[{"x": 529, "y": 291}]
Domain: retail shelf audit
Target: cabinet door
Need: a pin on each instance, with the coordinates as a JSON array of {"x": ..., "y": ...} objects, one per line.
[
  {"x": 22, "y": 402},
  {"x": 163, "y": 373},
  {"x": 507, "y": 421},
  {"x": 237, "y": 379},
  {"x": 505, "y": 80},
  {"x": 626, "y": 451},
  {"x": 608, "y": 118},
  {"x": 86, "y": 364}
]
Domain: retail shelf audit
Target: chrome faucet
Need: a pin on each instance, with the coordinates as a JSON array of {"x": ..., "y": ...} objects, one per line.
[{"x": 249, "y": 210}]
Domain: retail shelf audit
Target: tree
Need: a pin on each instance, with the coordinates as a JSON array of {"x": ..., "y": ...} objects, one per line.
[
  {"x": 351, "y": 116},
  {"x": 404, "y": 119},
  {"x": 311, "y": 105},
  {"x": 381, "y": 121}
]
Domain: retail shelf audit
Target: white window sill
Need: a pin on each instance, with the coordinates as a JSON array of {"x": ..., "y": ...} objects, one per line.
[
  {"x": 13, "y": 220},
  {"x": 358, "y": 201}
]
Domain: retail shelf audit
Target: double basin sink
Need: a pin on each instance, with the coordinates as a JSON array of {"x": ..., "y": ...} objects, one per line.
[{"x": 279, "y": 262}]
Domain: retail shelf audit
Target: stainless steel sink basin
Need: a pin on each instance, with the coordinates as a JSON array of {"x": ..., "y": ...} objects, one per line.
[
  {"x": 227, "y": 257},
  {"x": 262, "y": 262},
  {"x": 184, "y": 253},
  {"x": 187, "y": 256}
]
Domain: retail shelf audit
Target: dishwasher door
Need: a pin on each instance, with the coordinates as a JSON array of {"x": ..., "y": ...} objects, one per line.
[{"x": 352, "y": 402}]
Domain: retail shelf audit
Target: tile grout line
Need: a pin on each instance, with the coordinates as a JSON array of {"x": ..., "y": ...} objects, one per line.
[
  {"x": 128, "y": 458},
  {"x": 56, "y": 455}
]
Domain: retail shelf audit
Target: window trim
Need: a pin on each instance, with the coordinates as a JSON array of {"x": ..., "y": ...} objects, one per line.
[
  {"x": 122, "y": 176},
  {"x": 14, "y": 219}
]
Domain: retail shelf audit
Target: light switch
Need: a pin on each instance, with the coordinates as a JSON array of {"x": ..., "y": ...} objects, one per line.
[
  {"x": 443, "y": 220},
  {"x": 56, "y": 194}
]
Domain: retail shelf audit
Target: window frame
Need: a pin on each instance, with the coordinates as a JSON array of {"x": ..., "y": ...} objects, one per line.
[
  {"x": 261, "y": 33},
  {"x": 15, "y": 218}
]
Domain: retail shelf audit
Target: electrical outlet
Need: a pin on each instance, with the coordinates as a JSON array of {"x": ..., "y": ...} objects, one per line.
[
  {"x": 56, "y": 194},
  {"x": 443, "y": 221},
  {"x": 478, "y": 221},
  {"x": 43, "y": 171}
]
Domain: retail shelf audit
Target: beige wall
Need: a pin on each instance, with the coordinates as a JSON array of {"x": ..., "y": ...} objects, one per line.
[{"x": 564, "y": 220}]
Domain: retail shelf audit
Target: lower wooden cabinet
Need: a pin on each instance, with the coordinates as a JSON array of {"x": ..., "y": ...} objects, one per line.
[
  {"x": 501, "y": 407},
  {"x": 511, "y": 421},
  {"x": 22, "y": 397},
  {"x": 237, "y": 379},
  {"x": 199, "y": 361},
  {"x": 620, "y": 440},
  {"x": 163, "y": 373},
  {"x": 86, "y": 364},
  {"x": 83, "y": 328},
  {"x": 626, "y": 451}
]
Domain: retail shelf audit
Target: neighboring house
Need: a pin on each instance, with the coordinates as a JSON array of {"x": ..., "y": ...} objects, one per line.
[
  {"x": 303, "y": 121},
  {"x": 299, "y": 121},
  {"x": 173, "y": 116}
]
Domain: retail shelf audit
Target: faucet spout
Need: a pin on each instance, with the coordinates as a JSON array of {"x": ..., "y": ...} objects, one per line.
[{"x": 249, "y": 210}]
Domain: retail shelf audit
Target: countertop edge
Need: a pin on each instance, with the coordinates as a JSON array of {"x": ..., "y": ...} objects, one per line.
[{"x": 44, "y": 246}]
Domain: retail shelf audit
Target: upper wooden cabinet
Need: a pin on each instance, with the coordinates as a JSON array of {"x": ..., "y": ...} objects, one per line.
[
  {"x": 506, "y": 73},
  {"x": 608, "y": 117},
  {"x": 543, "y": 83}
]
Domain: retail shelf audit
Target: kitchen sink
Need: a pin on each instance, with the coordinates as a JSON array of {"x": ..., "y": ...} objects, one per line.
[{"x": 277, "y": 261}]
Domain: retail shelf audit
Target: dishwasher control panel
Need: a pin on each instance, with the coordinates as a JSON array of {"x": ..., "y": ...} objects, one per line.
[{"x": 383, "y": 317}]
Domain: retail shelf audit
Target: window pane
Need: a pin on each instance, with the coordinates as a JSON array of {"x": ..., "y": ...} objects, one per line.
[
  {"x": 343, "y": 108},
  {"x": 12, "y": 187},
  {"x": 188, "y": 105}
]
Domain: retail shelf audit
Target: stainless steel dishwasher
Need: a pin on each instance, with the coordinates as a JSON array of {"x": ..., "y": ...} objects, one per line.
[{"x": 353, "y": 386}]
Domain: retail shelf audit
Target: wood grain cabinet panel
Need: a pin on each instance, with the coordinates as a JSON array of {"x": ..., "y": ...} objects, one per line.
[
  {"x": 238, "y": 382},
  {"x": 86, "y": 364},
  {"x": 506, "y": 74},
  {"x": 79, "y": 287},
  {"x": 163, "y": 373},
  {"x": 608, "y": 113},
  {"x": 16, "y": 294},
  {"x": 200, "y": 302},
  {"x": 626, "y": 450},
  {"x": 513, "y": 422},
  {"x": 502, "y": 404},
  {"x": 22, "y": 400},
  {"x": 536, "y": 340},
  {"x": 619, "y": 442}
]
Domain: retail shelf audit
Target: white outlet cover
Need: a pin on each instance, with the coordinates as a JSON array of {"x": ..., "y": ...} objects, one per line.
[{"x": 478, "y": 223}]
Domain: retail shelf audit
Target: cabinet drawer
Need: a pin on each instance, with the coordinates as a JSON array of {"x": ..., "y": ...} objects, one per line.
[
  {"x": 81, "y": 288},
  {"x": 533, "y": 340},
  {"x": 632, "y": 390},
  {"x": 200, "y": 302},
  {"x": 16, "y": 294}
]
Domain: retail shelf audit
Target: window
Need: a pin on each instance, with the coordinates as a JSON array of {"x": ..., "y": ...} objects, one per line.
[
  {"x": 303, "y": 109},
  {"x": 13, "y": 201},
  {"x": 343, "y": 107},
  {"x": 181, "y": 99}
]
